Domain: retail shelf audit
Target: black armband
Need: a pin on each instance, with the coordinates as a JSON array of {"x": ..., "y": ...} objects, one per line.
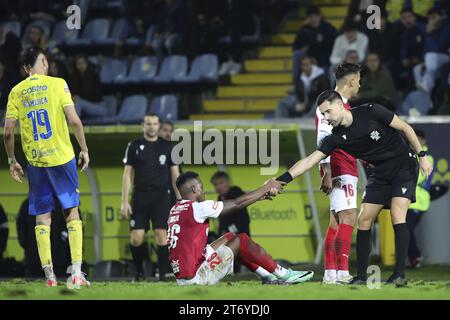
[{"x": 285, "y": 177}]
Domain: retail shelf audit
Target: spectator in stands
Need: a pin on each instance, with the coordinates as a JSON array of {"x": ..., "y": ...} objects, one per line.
[
  {"x": 166, "y": 130},
  {"x": 411, "y": 39},
  {"x": 169, "y": 28},
  {"x": 437, "y": 44},
  {"x": 444, "y": 107},
  {"x": 58, "y": 236},
  {"x": 211, "y": 25},
  {"x": 311, "y": 82},
  {"x": 420, "y": 7},
  {"x": 10, "y": 53},
  {"x": 315, "y": 38},
  {"x": 56, "y": 68},
  {"x": 240, "y": 22},
  {"x": 239, "y": 221},
  {"x": 419, "y": 208},
  {"x": 36, "y": 37},
  {"x": 5, "y": 88},
  {"x": 377, "y": 84},
  {"x": 381, "y": 40},
  {"x": 86, "y": 89},
  {"x": 351, "y": 39}
]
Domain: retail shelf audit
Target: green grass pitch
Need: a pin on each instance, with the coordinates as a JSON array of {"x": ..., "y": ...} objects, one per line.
[{"x": 431, "y": 282}]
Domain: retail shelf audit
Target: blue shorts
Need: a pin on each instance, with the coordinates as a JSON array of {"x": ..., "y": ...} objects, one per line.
[{"x": 48, "y": 183}]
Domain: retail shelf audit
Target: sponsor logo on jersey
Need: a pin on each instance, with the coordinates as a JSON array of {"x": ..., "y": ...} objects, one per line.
[
  {"x": 174, "y": 218},
  {"x": 175, "y": 266},
  {"x": 404, "y": 190},
  {"x": 375, "y": 135},
  {"x": 34, "y": 89},
  {"x": 162, "y": 159}
]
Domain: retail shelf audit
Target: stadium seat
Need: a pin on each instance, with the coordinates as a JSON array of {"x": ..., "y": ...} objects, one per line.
[
  {"x": 120, "y": 31},
  {"x": 133, "y": 109},
  {"x": 134, "y": 41},
  {"x": 62, "y": 35},
  {"x": 173, "y": 68},
  {"x": 166, "y": 107},
  {"x": 12, "y": 26},
  {"x": 113, "y": 70},
  {"x": 94, "y": 32},
  {"x": 203, "y": 68},
  {"x": 143, "y": 69},
  {"x": 108, "y": 269}
]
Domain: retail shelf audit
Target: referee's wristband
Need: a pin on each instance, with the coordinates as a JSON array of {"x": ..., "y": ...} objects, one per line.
[{"x": 285, "y": 177}]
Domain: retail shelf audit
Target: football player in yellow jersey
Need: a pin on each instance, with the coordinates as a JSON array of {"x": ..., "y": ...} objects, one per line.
[{"x": 41, "y": 103}]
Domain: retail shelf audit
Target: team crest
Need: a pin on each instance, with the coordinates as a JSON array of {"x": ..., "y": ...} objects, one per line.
[{"x": 162, "y": 159}]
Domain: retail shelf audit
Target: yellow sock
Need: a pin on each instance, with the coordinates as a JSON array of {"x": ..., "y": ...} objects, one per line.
[
  {"x": 43, "y": 242},
  {"x": 75, "y": 229}
]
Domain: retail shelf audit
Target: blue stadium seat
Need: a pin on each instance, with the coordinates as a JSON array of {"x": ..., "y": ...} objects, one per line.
[
  {"x": 134, "y": 41},
  {"x": 12, "y": 26},
  {"x": 120, "y": 31},
  {"x": 110, "y": 103},
  {"x": 94, "y": 31},
  {"x": 173, "y": 68},
  {"x": 166, "y": 107},
  {"x": 133, "y": 108},
  {"x": 62, "y": 35},
  {"x": 204, "y": 68},
  {"x": 143, "y": 69},
  {"x": 113, "y": 70}
]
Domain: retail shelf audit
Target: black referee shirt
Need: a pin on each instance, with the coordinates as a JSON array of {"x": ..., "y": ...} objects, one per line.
[
  {"x": 369, "y": 137},
  {"x": 151, "y": 162}
]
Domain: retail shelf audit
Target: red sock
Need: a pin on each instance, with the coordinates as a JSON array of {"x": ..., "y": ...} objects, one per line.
[
  {"x": 252, "y": 252},
  {"x": 328, "y": 249},
  {"x": 247, "y": 263},
  {"x": 343, "y": 243}
]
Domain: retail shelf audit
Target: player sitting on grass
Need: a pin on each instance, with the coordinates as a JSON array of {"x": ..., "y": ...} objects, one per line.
[{"x": 195, "y": 262}]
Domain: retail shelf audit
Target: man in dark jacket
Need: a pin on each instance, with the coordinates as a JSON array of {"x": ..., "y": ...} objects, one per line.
[
  {"x": 315, "y": 38},
  {"x": 311, "y": 81}
]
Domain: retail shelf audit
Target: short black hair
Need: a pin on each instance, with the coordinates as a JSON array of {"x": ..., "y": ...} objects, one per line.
[
  {"x": 29, "y": 56},
  {"x": 312, "y": 10},
  {"x": 435, "y": 10},
  {"x": 152, "y": 114},
  {"x": 350, "y": 26},
  {"x": 328, "y": 95},
  {"x": 170, "y": 123},
  {"x": 407, "y": 9},
  {"x": 344, "y": 69},
  {"x": 220, "y": 175},
  {"x": 185, "y": 177}
]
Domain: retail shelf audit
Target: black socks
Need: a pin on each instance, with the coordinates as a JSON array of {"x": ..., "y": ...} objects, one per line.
[
  {"x": 363, "y": 248},
  {"x": 401, "y": 248}
]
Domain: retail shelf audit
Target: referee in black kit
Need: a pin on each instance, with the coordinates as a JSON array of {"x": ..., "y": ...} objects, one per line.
[
  {"x": 373, "y": 133},
  {"x": 149, "y": 161}
]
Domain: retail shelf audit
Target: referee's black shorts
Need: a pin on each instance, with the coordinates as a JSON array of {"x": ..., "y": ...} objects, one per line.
[
  {"x": 151, "y": 205},
  {"x": 394, "y": 178}
]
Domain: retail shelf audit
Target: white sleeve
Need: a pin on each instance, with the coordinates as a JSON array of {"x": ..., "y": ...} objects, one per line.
[
  {"x": 362, "y": 46},
  {"x": 206, "y": 209},
  {"x": 336, "y": 54},
  {"x": 323, "y": 130}
]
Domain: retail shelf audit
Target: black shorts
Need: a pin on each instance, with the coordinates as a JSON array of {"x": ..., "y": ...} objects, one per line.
[
  {"x": 394, "y": 178},
  {"x": 149, "y": 205}
]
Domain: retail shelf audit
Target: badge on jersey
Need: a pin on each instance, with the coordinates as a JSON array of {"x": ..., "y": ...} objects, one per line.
[{"x": 162, "y": 159}]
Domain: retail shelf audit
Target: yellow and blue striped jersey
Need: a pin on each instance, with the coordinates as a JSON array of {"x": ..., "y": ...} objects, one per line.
[{"x": 38, "y": 103}]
